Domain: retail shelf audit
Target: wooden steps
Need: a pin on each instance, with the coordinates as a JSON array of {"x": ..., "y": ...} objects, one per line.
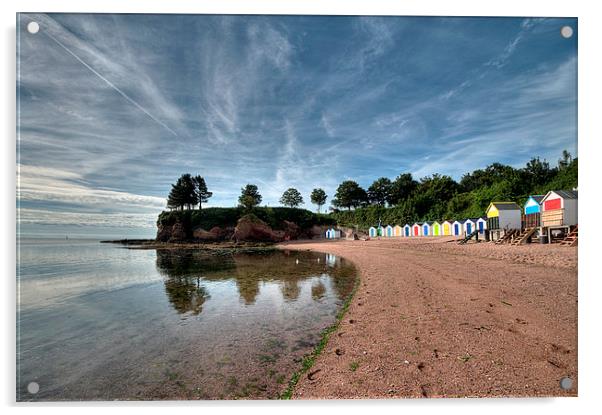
[
  {"x": 508, "y": 237},
  {"x": 523, "y": 237},
  {"x": 572, "y": 238},
  {"x": 468, "y": 237}
]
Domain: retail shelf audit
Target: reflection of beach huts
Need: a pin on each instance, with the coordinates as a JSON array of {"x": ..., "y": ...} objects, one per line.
[
  {"x": 503, "y": 215},
  {"x": 397, "y": 230},
  {"x": 532, "y": 212},
  {"x": 333, "y": 233},
  {"x": 407, "y": 230},
  {"x": 416, "y": 230},
  {"x": 427, "y": 229},
  {"x": 372, "y": 232},
  {"x": 436, "y": 227},
  {"x": 458, "y": 228},
  {"x": 446, "y": 228},
  {"x": 389, "y": 231},
  {"x": 481, "y": 225}
]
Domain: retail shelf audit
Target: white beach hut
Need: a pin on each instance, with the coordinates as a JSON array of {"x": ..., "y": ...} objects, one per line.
[
  {"x": 416, "y": 229},
  {"x": 407, "y": 230},
  {"x": 469, "y": 226},
  {"x": 458, "y": 228},
  {"x": 481, "y": 224},
  {"x": 559, "y": 208},
  {"x": 389, "y": 231}
]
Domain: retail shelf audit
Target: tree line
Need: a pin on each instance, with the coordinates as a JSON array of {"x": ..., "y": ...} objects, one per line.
[
  {"x": 189, "y": 191},
  {"x": 435, "y": 197}
]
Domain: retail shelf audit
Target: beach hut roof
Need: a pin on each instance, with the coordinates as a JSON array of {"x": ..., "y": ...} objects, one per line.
[
  {"x": 505, "y": 205},
  {"x": 565, "y": 194},
  {"x": 460, "y": 221},
  {"x": 428, "y": 223},
  {"x": 537, "y": 198}
]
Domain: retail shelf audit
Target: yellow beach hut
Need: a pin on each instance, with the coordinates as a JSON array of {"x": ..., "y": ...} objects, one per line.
[
  {"x": 398, "y": 230},
  {"x": 446, "y": 228}
]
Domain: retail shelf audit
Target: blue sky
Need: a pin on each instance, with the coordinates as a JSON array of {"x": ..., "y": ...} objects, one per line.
[{"x": 113, "y": 108}]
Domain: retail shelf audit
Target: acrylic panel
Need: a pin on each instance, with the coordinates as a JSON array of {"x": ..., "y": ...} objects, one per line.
[{"x": 216, "y": 207}]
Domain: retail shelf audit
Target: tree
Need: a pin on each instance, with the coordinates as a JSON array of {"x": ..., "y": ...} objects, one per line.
[
  {"x": 291, "y": 198},
  {"x": 565, "y": 161},
  {"x": 537, "y": 172},
  {"x": 318, "y": 197},
  {"x": 349, "y": 194},
  {"x": 402, "y": 188},
  {"x": 202, "y": 193},
  {"x": 249, "y": 197},
  {"x": 183, "y": 193},
  {"x": 379, "y": 192}
]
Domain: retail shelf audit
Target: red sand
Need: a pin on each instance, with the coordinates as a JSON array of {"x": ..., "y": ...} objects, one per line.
[{"x": 435, "y": 319}]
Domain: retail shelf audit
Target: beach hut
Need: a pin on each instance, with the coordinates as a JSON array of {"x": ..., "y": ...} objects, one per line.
[
  {"x": 407, "y": 230},
  {"x": 503, "y": 215},
  {"x": 532, "y": 212},
  {"x": 458, "y": 228},
  {"x": 427, "y": 229},
  {"x": 436, "y": 228},
  {"x": 559, "y": 208},
  {"x": 446, "y": 228},
  {"x": 372, "y": 232},
  {"x": 416, "y": 229},
  {"x": 397, "y": 230},
  {"x": 469, "y": 226},
  {"x": 333, "y": 233},
  {"x": 380, "y": 231},
  {"x": 481, "y": 224},
  {"x": 389, "y": 231}
]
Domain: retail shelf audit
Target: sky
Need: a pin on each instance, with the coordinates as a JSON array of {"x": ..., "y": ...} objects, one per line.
[{"x": 112, "y": 109}]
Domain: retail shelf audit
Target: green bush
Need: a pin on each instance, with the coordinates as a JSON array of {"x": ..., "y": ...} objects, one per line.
[{"x": 228, "y": 217}]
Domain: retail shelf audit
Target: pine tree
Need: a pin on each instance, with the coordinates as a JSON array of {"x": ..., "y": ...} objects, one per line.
[{"x": 202, "y": 193}]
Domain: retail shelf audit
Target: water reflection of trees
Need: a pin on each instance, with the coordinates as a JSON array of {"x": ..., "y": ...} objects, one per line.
[{"x": 186, "y": 269}]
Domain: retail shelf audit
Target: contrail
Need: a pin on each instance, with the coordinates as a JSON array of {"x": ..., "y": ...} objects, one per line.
[{"x": 109, "y": 83}]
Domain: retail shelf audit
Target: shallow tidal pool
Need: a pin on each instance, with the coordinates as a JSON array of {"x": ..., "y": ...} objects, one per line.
[{"x": 103, "y": 322}]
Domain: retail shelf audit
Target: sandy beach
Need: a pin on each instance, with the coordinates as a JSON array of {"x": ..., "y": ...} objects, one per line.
[{"x": 435, "y": 319}]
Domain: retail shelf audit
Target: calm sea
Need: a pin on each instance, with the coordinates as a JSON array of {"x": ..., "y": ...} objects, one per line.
[{"x": 103, "y": 322}]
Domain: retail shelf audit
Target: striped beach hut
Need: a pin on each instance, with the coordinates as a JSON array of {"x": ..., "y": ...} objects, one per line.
[
  {"x": 531, "y": 217},
  {"x": 389, "y": 231},
  {"x": 458, "y": 228},
  {"x": 407, "y": 230},
  {"x": 436, "y": 228},
  {"x": 427, "y": 229},
  {"x": 447, "y": 227},
  {"x": 416, "y": 229},
  {"x": 481, "y": 224},
  {"x": 397, "y": 230},
  {"x": 469, "y": 226},
  {"x": 372, "y": 232}
]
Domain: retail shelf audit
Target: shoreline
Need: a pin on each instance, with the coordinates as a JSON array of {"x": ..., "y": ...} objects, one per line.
[{"x": 437, "y": 319}]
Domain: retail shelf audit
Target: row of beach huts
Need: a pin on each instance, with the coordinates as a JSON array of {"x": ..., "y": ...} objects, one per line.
[{"x": 549, "y": 218}]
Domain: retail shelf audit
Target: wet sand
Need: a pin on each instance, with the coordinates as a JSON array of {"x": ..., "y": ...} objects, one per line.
[{"x": 435, "y": 319}]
